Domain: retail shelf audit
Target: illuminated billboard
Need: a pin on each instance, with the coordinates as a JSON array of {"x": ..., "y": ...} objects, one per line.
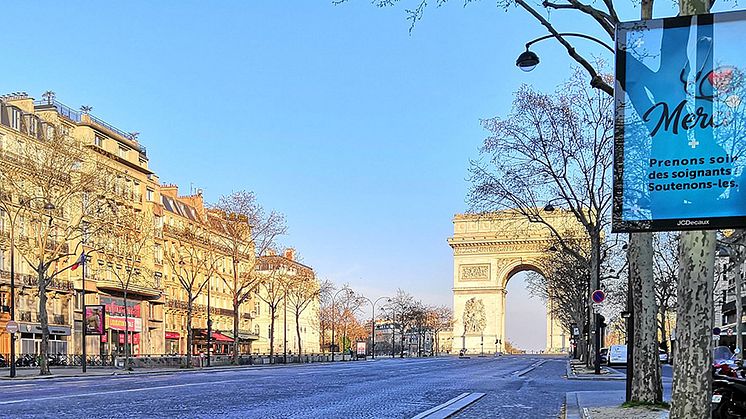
[{"x": 680, "y": 124}]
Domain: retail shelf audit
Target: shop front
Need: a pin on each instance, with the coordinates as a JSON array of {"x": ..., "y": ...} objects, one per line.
[
  {"x": 31, "y": 333},
  {"x": 245, "y": 339},
  {"x": 173, "y": 346},
  {"x": 221, "y": 344},
  {"x": 122, "y": 333}
]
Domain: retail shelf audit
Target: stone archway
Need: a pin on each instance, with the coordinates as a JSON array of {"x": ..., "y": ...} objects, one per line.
[{"x": 488, "y": 249}]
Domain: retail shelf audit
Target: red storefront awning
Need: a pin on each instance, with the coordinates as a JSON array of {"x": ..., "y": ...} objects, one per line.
[
  {"x": 172, "y": 335},
  {"x": 218, "y": 337}
]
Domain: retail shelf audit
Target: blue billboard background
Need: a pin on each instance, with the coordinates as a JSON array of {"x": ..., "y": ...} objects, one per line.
[{"x": 680, "y": 128}]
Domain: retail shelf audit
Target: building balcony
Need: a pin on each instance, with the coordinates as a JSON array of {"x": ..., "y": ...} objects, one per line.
[
  {"x": 26, "y": 280},
  {"x": 143, "y": 290}
]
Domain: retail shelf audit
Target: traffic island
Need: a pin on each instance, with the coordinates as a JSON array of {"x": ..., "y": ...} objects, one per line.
[{"x": 577, "y": 370}]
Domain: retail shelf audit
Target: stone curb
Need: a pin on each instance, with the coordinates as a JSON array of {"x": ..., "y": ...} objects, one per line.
[
  {"x": 572, "y": 408},
  {"x": 156, "y": 372},
  {"x": 616, "y": 376}
]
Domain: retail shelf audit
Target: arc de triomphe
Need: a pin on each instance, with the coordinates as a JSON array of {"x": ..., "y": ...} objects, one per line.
[{"x": 488, "y": 249}]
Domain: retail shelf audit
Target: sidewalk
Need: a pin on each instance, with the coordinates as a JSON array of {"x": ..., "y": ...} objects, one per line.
[
  {"x": 27, "y": 373},
  {"x": 605, "y": 405},
  {"x": 68, "y": 372}
]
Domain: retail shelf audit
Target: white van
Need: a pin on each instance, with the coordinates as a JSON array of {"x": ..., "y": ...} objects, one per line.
[{"x": 618, "y": 355}]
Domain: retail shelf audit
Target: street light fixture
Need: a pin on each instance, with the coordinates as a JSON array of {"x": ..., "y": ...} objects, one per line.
[
  {"x": 348, "y": 291},
  {"x": 528, "y": 60},
  {"x": 373, "y": 324}
]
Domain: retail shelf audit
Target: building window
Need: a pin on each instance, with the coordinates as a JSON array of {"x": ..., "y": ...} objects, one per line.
[
  {"x": 258, "y": 307},
  {"x": 123, "y": 152},
  {"x": 32, "y": 126},
  {"x": 78, "y": 300},
  {"x": 256, "y": 329},
  {"x": 98, "y": 141},
  {"x": 15, "y": 119},
  {"x": 149, "y": 195}
]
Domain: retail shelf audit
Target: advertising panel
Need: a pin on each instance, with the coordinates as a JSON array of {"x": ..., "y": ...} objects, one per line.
[
  {"x": 361, "y": 348},
  {"x": 679, "y": 124},
  {"x": 95, "y": 320}
]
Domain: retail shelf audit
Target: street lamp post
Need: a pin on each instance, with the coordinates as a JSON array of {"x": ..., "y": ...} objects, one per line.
[
  {"x": 347, "y": 290},
  {"x": 373, "y": 323}
]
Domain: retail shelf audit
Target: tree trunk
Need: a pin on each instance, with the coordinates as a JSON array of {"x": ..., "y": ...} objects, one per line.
[
  {"x": 235, "y": 330},
  {"x": 43, "y": 322},
  {"x": 401, "y": 343},
  {"x": 272, "y": 310},
  {"x": 126, "y": 333},
  {"x": 647, "y": 386},
  {"x": 190, "y": 332},
  {"x": 595, "y": 278},
  {"x": 662, "y": 326},
  {"x": 692, "y": 380},
  {"x": 235, "y": 311},
  {"x": 297, "y": 329}
]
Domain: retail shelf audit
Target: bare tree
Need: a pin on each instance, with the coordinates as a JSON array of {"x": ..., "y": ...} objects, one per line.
[
  {"x": 402, "y": 306},
  {"x": 124, "y": 243},
  {"x": 552, "y": 148},
  {"x": 248, "y": 233},
  {"x": 192, "y": 264},
  {"x": 44, "y": 184},
  {"x": 438, "y": 319},
  {"x": 326, "y": 313},
  {"x": 563, "y": 286},
  {"x": 274, "y": 272},
  {"x": 665, "y": 273},
  {"x": 348, "y": 306},
  {"x": 302, "y": 292}
]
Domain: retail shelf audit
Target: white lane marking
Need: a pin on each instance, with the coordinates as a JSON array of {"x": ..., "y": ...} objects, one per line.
[{"x": 131, "y": 390}]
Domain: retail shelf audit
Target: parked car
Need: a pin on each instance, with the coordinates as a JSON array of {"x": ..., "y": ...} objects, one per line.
[
  {"x": 618, "y": 355},
  {"x": 604, "y": 352},
  {"x": 663, "y": 355}
]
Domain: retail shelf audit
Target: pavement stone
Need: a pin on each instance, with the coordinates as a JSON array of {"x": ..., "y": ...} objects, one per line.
[{"x": 515, "y": 387}]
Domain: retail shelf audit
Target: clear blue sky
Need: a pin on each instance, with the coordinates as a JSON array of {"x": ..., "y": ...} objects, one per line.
[{"x": 334, "y": 115}]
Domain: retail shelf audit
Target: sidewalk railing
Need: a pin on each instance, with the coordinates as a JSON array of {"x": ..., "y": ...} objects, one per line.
[{"x": 167, "y": 360}]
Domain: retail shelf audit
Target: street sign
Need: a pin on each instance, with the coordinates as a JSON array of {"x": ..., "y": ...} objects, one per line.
[
  {"x": 716, "y": 331},
  {"x": 598, "y": 296},
  {"x": 11, "y": 327},
  {"x": 730, "y": 332}
]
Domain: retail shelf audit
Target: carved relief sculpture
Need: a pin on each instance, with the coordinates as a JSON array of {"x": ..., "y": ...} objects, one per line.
[
  {"x": 475, "y": 272},
  {"x": 474, "y": 316}
]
